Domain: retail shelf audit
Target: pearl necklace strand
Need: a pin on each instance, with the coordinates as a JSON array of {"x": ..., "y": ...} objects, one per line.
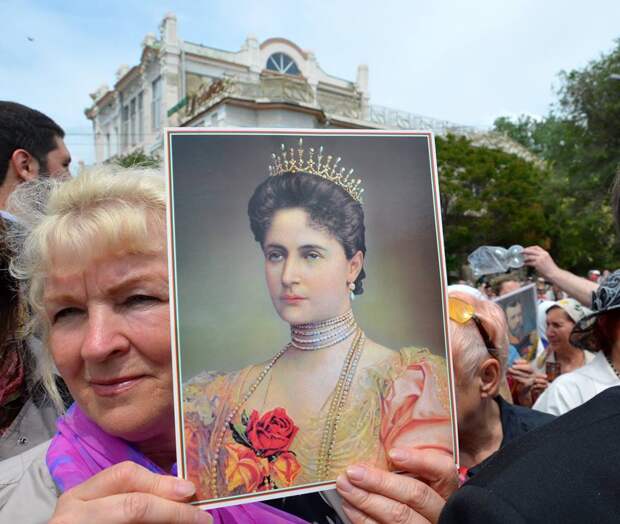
[
  {"x": 342, "y": 389},
  {"x": 320, "y": 335}
]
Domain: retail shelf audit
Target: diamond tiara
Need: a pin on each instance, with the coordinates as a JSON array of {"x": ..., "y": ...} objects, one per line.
[{"x": 295, "y": 161}]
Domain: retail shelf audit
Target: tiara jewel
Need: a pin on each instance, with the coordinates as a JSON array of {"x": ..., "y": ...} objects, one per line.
[{"x": 295, "y": 160}]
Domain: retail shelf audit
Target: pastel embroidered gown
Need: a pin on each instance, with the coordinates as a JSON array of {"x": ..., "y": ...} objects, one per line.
[{"x": 403, "y": 400}]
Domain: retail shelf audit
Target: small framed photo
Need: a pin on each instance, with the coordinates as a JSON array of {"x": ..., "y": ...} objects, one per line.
[
  {"x": 521, "y": 314},
  {"x": 308, "y": 289}
]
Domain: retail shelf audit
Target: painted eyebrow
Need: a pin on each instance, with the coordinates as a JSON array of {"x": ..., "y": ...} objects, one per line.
[
  {"x": 313, "y": 246},
  {"x": 275, "y": 246}
]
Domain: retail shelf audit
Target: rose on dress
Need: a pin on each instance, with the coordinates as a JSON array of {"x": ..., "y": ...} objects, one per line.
[
  {"x": 244, "y": 468},
  {"x": 284, "y": 469},
  {"x": 272, "y": 433}
]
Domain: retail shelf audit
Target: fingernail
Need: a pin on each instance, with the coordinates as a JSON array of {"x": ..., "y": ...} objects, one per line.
[
  {"x": 184, "y": 488},
  {"x": 356, "y": 472},
  {"x": 397, "y": 455},
  {"x": 343, "y": 484}
]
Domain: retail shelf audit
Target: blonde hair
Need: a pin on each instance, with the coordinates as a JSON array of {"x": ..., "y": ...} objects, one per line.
[
  {"x": 106, "y": 209},
  {"x": 468, "y": 347}
]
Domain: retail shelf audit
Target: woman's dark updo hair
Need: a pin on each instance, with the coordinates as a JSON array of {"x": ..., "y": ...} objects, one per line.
[{"x": 330, "y": 207}]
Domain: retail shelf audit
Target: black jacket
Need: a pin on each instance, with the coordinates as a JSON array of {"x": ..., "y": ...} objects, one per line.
[
  {"x": 516, "y": 421},
  {"x": 566, "y": 471}
]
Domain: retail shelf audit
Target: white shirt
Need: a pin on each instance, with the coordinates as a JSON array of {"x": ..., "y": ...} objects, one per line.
[{"x": 573, "y": 389}]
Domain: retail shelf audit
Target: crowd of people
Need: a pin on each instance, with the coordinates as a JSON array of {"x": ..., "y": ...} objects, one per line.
[{"x": 85, "y": 315}]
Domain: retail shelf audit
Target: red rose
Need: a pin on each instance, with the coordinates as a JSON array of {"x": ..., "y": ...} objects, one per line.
[{"x": 273, "y": 432}]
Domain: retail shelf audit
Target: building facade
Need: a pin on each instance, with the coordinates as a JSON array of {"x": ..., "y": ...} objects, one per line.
[{"x": 269, "y": 84}]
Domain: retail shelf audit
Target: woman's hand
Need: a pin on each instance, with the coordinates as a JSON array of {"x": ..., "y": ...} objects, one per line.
[
  {"x": 540, "y": 384},
  {"x": 523, "y": 375},
  {"x": 128, "y": 493},
  {"x": 375, "y": 495}
]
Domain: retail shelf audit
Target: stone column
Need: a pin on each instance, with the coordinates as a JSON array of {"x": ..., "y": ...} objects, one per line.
[
  {"x": 361, "y": 83},
  {"x": 170, "y": 61}
]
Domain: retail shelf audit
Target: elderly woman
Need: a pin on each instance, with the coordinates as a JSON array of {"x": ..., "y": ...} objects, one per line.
[
  {"x": 96, "y": 269},
  {"x": 531, "y": 379},
  {"x": 597, "y": 332},
  {"x": 478, "y": 335}
]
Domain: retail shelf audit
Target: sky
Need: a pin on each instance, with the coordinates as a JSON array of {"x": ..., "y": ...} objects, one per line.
[{"x": 463, "y": 61}]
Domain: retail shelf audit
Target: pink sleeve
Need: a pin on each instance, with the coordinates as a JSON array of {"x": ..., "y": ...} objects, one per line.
[{"x": 415, "y": 410}]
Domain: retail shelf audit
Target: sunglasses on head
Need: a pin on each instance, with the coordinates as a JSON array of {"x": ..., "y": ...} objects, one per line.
[{"x": 462, "y": 312}]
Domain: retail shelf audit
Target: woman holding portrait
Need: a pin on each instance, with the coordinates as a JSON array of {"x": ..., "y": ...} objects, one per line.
[
  {"x": 331, "y": 396},
  {"x": 95, "y": 266}
]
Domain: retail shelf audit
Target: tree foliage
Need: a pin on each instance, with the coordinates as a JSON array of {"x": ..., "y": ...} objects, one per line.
[
  {"x": 487, "y": 197},
  {"x": 137, "y": 158},
  {"x": 580, "y": 142}
]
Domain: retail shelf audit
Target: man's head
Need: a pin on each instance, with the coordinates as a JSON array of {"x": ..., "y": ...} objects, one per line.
[
  {"x": 31, "y": 145},
  {"x": 514, "y": 315},
  {"x": 504, "y": 284}
]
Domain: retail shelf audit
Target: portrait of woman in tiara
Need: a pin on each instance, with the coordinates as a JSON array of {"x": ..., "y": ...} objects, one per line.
[{"x": 331, "y": 396}]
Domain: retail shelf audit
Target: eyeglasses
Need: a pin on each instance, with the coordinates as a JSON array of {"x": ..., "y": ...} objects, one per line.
[{"x": 462, "y": 312}]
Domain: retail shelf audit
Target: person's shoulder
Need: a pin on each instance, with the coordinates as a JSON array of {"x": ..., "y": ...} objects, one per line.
[
  {"x": 27, "y": 491},
  {"x": 523, "y": 412},
  {"x": 13, "y": 468},
  {"x": 472, "y": 504},
  {"x": 562, "y": 395},
  {"x": 411, "y": 355},
  {"x": 564, "y": 465},
  {"x": 527, "y": 419},
  {"x": 207, "y": 393},
  {"x": 209, "y": 380},
  {"x": 603, "y": 405},
  {"x": 571, "y": 438},
  {"x": 392, "y": 364}
]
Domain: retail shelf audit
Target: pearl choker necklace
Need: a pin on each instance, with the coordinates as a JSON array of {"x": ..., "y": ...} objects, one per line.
[{"x": 320, "y": 335}]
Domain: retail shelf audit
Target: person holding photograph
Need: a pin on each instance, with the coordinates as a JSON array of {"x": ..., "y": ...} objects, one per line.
[
  {"x": 596, "y": 336},
  {"x": 95, "y": 265},
  {"x": 561, "y": 318},
  {"x": 331, "y": 396}
]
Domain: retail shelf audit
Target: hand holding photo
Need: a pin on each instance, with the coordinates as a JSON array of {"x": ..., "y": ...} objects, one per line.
[{"x": 331, "y": 395}]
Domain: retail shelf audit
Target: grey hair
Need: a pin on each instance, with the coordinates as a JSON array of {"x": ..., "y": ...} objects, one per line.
[{"x": 468, "y": 348}]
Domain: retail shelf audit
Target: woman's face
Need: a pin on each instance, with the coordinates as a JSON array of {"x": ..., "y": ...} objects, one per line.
[
  {"x": 109, "y": 337},
  {"x": 306, "y": 268},
  {"x": 559, "y": 326}
]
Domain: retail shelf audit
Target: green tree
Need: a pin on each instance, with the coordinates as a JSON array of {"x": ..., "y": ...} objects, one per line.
[
  {"x": 488, "y": 197},
  {"x": 580, "y": 142},
  {"x": 137, "y": 158}
]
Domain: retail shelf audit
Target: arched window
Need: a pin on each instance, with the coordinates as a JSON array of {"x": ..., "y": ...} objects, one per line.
[{"x": 282, "y": 63}]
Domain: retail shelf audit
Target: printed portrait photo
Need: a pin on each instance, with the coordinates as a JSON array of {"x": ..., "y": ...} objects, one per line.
[
  {"x": 309, "y": 296},
  {"x": 520, "y": 309}
]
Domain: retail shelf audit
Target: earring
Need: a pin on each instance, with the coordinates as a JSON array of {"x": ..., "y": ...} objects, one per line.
[{"x": 351, "y": 286}]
